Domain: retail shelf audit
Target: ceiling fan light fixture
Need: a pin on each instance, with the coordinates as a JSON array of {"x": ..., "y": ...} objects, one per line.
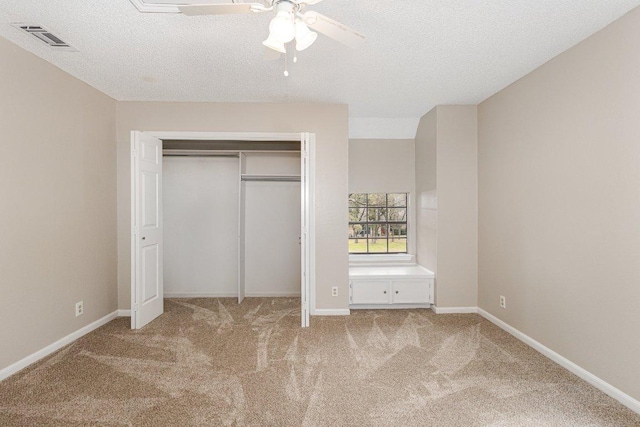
[
  {"x": 282, "y": 27},
  {"x": 304, "y": 36},
  {"x": 274, "y": 44}
]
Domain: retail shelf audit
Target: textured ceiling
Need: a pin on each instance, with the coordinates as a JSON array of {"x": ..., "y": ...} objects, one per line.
[{"x": 419, "y": 53}]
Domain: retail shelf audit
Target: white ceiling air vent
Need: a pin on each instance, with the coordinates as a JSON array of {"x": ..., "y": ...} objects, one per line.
[{"x": 45, "y": 36}]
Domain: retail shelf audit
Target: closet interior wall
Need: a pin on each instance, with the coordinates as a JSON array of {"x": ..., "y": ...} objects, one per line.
[
  {"x": 200, "y": 226},
  {"x": 232, "y": 224},
  {"x": 272, "y": 224}
]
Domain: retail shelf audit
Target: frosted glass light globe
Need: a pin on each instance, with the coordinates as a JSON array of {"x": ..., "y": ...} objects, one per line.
[
  {"x": 274, "y": 44},
  {"x": 282, "y": 27},
  {"x": 304, "y": 36}
]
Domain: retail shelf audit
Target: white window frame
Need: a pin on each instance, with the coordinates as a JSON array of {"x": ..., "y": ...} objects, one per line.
[{"x": 409, "y": 257}]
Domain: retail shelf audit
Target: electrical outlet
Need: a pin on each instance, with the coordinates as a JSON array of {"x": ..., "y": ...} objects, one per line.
[
  {"x": 79, "y": 308},
  {"x": 334, "y": 291},
  {"x": 503, "y": 301}
]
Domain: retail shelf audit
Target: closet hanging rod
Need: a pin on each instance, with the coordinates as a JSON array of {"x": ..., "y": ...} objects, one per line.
[
  {"x": 198, "y": 153},
  {"x": 271, "y": 178}
]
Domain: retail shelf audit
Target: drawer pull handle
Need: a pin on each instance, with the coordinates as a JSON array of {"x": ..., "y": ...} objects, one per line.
[
  {"x": 385, "y": 292},
  {"x": 397, "y": 292}
]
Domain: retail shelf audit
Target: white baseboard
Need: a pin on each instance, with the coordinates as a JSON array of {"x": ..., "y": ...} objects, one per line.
[
  {"x": 598, "y": 383},
  {"x": 232, "y": 295},
  {"x": 455, "y": 310},
  {"x": 273, "y": 295},
  {"x": 32, "y": 358},
  {"x": 387, "y": 306},
  {"x": 330, "y": 312},
  {"x": 201, "y": 295},
  {"x": 124, "y": 313}
]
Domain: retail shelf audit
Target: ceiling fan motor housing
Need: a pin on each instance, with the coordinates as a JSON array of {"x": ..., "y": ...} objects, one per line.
[{"x": 286, "y": 6}]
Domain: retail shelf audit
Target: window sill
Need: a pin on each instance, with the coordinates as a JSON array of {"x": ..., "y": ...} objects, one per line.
[{"x": 381, "y": 259}]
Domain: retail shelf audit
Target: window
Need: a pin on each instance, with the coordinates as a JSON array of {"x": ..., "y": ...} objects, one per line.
[{"x": 378, "y": 223}]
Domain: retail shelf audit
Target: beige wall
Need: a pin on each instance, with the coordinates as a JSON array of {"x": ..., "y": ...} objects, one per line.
[
  {"x": 57, "y": 203},
  {"x": 381, "y": 165},
  {"x": 559, "y": 200},
  {"x": 426, "y": 191},
  {"x": 385, "y": 166},
  {"x": 446, "y": 179},
  {"x": 457, "y": 185},
  {"x": 328, "y": 122}
]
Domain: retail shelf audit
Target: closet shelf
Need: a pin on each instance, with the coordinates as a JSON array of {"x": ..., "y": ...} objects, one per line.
[{"x": 283, "y": 178}]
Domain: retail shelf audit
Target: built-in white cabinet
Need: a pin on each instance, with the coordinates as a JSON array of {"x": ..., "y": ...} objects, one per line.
[
  {"x": 370, "y": 291},
  {"x": 411, "y": 291},
  {"x": 390, "y": 286}
]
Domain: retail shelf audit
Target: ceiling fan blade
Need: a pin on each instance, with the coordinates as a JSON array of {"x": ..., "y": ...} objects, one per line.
[
  {"x": 310, "y": 2},
  {"x": 333, "y": 29},
  {"x": 221, "y": 9},
  {"x": 270, "y": 54}
]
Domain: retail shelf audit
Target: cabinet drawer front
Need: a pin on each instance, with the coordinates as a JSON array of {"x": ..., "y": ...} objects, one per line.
[
  {"x": 370, "y": 292},
  {"x": 410, "y": 291}
]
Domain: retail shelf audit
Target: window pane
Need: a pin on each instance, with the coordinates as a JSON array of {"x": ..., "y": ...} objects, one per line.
[
  {"x": 377, "y": 230},
  {"x": 358, "y": 246},
  {"x": 357, "y": 200},
  {"x": 378, "y": 245},
  {"x": 377, "y": 223},
  {"x": 357, "y": 214},
  {"x": 397, "y": 230},
  {"x": 398, "y": 245},
  {"x": 397, "y": 199},
  {"x": 397, "y": 214},
  {"x": 377, "y": 214},
  {"x": 356, "y": 231},
  {"x": 378, "y": 199}
]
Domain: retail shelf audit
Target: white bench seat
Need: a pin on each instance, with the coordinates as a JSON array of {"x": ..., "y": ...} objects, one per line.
[{"x": 390, "y": 286}]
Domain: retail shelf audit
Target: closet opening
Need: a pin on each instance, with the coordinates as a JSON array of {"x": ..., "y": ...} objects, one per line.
[{"x": 221, "y": 216}]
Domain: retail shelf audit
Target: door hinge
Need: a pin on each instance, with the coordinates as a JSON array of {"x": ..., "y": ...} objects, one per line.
[{"x": 135, "y": 307}]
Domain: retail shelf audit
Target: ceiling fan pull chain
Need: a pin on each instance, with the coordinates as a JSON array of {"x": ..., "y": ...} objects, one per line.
[{"x": 286, "y": 64}]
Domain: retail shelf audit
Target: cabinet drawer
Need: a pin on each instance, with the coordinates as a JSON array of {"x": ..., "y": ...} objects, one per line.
[
  {"x": 370, "y": 292},
  {"x": 410, "y": 291}
]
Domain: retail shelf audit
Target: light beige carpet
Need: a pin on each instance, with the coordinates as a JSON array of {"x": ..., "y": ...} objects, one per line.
[{"x": 212, "y": 362}]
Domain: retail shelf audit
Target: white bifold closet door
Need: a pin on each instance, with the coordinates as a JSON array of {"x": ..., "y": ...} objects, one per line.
[
  {"x": 147, "y": 229},
  {"x": 200, "y": 226}
]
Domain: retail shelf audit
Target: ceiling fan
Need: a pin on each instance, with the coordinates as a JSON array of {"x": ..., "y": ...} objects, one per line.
[{"x": 289, "y": 23}]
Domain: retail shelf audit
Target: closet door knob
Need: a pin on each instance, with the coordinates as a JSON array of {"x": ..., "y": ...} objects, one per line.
[
  {"x": 385, "y": 292},
  {"x": 397, "y": 292},
  {"x": 144, "y": 238}
]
